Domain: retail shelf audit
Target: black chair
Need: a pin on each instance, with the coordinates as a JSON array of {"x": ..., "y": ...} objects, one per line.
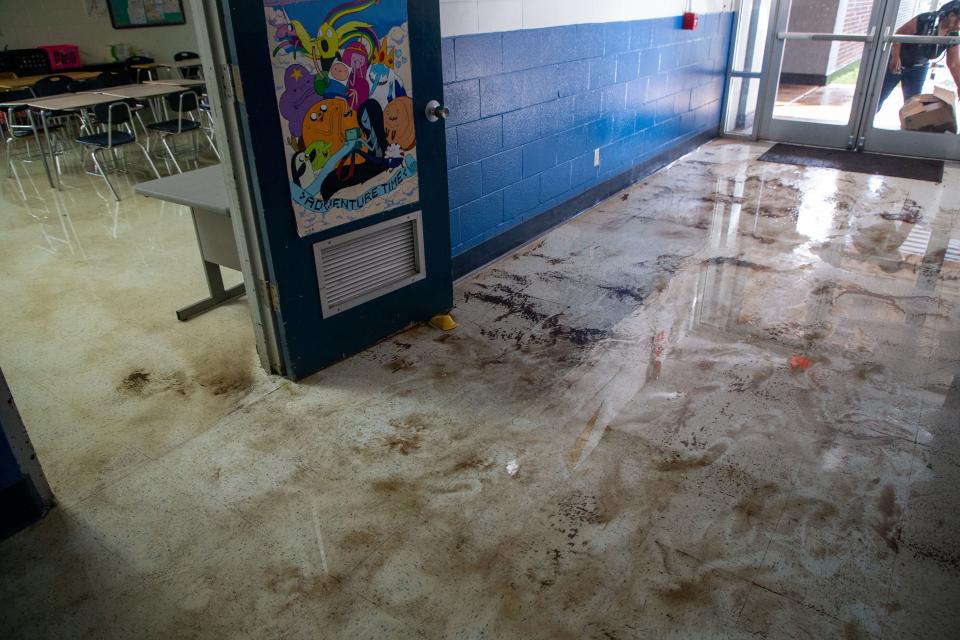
[
  {"x": 137, "y": 73},
  {"x": 54, "y": 85},
  {"x": 19, "y": 124},
  {"x": 109, "y": 79},
  {"x": 188, "y": 73},
  {"x": 115, "y": 78},
  {"x": 112, "y": 116},
  {"x": 185, "y": 104}
]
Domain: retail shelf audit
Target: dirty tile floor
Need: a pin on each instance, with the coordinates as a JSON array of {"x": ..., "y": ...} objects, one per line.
[{"x": 722, "y": 404}]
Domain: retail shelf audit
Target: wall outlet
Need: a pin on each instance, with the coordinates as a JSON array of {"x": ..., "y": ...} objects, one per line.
[{"x": 596, "y": 157}]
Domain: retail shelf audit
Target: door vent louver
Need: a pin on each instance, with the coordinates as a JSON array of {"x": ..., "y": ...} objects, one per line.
[{"x": 369, "y": 263}]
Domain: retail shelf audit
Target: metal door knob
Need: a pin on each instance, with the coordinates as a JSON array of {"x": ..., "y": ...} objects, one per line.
[{"x": 436, "y": 111}]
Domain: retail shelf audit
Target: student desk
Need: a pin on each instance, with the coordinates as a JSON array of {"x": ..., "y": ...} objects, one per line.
[
  {"x": 205, "y": 192},
  {"x": 29, "y": 81}
]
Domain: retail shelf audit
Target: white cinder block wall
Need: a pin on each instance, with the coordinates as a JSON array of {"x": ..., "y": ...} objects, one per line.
[{"x": 459, "y": 17}]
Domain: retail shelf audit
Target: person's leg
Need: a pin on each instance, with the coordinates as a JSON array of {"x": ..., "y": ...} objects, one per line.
[
  {"x": 913, "y": 81},
  {"x": 890, "y": 82}
]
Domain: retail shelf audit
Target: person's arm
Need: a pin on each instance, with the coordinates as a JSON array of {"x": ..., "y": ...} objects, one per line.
[
  {"x": 953, "y": 63},
  {"x": 908, "y": 29}
]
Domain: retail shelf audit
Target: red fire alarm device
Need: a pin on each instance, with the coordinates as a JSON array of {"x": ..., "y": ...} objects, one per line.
[{"x": 691, "y": 21}]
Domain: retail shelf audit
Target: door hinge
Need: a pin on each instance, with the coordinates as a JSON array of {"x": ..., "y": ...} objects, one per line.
[
  {"x": 271, "y": 293},
  {"x": 236, "y": 83}
]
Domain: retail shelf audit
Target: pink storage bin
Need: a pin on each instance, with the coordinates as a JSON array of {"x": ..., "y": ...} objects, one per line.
[{"x": 62, "y": 56}]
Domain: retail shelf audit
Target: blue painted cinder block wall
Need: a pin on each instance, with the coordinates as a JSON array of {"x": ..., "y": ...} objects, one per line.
[{"x": 528, "y": 109}]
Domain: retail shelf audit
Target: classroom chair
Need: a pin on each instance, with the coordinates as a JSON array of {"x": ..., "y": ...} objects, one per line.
[
  {"x": 189, "y": 73},
  {"x": 116, "y": 118},
  {"x": 137, "y": 73},
  {"x": 19, "y": 124},
  {"x": 109, "y": 79},
  {"x": 185, "y": 104}
]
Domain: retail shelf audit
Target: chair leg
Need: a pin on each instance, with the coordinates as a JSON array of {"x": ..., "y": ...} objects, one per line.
[
  {"x": 143, "y": 126},
  {"x": 195, "y": 136},
  {"x": 173, "y": 157},
  {"x": 104, "y": 173},
  {"x": 213, "y": 146},
  {"x": 146, "y": 154},
  {"x": 10, "y": 142}
]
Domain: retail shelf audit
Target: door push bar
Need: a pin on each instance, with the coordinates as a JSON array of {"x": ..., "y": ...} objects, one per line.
[
  {"x": 948, "y": 41},
  {"x": 828, "y": 37},
  {"x": 888, "y": 39}
]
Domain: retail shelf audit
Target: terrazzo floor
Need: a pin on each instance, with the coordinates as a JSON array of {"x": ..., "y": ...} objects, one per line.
[{"x": 721, "y": 404}]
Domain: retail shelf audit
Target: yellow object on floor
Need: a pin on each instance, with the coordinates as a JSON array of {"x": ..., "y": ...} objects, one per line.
[{"x": 444, "y": 322}]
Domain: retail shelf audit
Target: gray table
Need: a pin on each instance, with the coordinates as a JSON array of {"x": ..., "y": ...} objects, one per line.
[{"x": 205, "y": 192}]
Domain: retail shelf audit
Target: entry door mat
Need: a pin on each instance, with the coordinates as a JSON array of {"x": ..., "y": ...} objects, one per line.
[{"x": 869, "y": 163}]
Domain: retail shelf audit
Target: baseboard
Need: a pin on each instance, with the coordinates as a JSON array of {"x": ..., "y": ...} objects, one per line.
[
  {"x": 21, "y": 506},
  {"x": 514, "y": 238}
]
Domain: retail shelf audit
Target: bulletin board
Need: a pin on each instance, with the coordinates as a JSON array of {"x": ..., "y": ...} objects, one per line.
[{"x": 133, "y": 14}]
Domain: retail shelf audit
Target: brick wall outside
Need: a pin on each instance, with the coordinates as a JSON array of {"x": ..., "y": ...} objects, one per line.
[
  {"x": 528, "y": 109},
  {"x": 856, "y": 20}
]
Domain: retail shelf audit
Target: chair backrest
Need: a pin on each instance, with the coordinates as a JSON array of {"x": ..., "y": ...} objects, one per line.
[
  {"x": 113, "y": 113},
  {"x": 191, "y": 73},
  {"x": 91, "y": 84},
  {"x": 52, "y": 86},
  {"x": 114, "y": 78},
  {"x": 186, "y": 104},
  {"x": 138, "y": 60}
]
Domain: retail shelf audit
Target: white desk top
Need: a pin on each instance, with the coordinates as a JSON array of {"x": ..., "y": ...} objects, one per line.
[
  {"x": 181, "y": 64},
  {"x": 180, "y": 82},
  {"x": 70, "y": 101},
  {"x": 201, "y": 189},
  {"x": 139, "y": 90}
]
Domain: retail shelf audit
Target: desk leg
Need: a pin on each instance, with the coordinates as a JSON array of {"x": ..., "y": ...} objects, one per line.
[
  {"x": 52, "y": 172},
  {"x": 43, "y": 153},
  {"x": 218, "y": 295}
]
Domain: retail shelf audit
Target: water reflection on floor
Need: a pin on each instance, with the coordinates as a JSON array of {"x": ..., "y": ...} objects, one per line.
[{"x": 723, "y": 403}]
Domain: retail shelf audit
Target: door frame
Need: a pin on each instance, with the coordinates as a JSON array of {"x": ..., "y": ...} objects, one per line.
[{"x": 227, "y": 104}]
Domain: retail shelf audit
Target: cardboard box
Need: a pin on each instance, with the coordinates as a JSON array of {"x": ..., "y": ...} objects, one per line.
[{"x": 935, "y": 112}]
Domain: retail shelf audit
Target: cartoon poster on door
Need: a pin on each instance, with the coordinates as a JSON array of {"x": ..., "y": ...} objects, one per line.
[{"x": 343, "y": 82}]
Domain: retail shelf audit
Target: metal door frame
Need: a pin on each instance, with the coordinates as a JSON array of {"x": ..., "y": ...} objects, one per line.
[
  {"x": 811, "y": 133},
  {"x": 226, "y": 98},
  {"x": 896, "y": 141}
]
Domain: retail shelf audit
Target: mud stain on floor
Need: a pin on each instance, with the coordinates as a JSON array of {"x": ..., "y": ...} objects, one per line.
[
  {"x": 707, "y": 458},
  {"x": 890, "y": 512}
]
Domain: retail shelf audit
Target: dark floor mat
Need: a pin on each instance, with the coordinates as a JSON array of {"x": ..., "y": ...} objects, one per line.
[{"x": 871, "y": 163}]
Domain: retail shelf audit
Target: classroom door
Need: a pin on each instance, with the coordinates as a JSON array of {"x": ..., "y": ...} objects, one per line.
[{"x": 345, "y": 149}]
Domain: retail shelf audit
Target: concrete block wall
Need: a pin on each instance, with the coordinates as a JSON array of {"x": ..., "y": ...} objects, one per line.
[{"x": 531, "y": 108}]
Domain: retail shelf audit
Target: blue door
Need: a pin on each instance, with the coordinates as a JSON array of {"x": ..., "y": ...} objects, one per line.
[{"x": 348, "y": 165}]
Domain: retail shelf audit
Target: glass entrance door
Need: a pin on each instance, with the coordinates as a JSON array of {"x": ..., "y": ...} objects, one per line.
[
  {"x": 918, "y": 35},
  {"x": 830, "y": 81},
  {"x": 822, "y": 58}
]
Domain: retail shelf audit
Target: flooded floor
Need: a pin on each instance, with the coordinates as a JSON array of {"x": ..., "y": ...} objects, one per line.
[{"x": 723, "y": 404}]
